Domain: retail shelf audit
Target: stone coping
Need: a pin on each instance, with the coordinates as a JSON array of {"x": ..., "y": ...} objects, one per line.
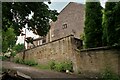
[
  {"x": 101, "y": 48},
  {"x": 49, "y": 42}
]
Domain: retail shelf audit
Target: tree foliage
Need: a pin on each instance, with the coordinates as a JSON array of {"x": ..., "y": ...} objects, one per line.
[
  {"x": 18, "y": 47},
  {"x": 93, "y": 25},
  {"x": 117, "y": 23},
  {"x": 104, "y": 36},
  {"x": 0, "y": 40},
  {"x": 17, "y": 14},
  {"x": 111, "y": 26},
  {"x": 9, "y": 39}
]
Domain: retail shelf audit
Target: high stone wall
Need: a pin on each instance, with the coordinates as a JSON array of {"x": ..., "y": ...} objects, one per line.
[
  {"x": 58, "y": 50},
  {"x": 93, "y": 60},
  {"x": 96, "y": 60}
]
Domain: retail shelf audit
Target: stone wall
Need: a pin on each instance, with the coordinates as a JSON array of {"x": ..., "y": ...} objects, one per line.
[
  {"x": 58, "y": 50},
  {"x": 67, "y": 48},
  {"x": 96, "y": 60}
]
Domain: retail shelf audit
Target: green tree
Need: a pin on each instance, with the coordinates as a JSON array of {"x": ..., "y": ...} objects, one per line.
[
  {"x": 111, "y": 26},
  {"x": 104, "y": 36},
  {"x": 17, "y": 14},
  {"x": 18, "y": 47},
  {"x": 8, "y": 39},
  {"x": 0, "y": 40},
  {"x": 117, "y": 23},
  {"x": 93, "y": 25}
]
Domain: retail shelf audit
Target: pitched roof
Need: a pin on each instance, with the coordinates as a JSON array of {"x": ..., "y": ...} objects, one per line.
[
  {"x": 66, "y": 7},
  {"x": 69, "y": 4}
]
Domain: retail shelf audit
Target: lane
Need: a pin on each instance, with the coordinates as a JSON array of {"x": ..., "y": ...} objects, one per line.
[{"x": 36, "y": 73}]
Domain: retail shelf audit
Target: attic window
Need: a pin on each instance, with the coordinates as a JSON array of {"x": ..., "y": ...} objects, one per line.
[{"x": 64, "y": 26}]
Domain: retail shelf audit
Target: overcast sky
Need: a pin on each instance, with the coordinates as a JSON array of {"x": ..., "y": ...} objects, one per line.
[{"x": 57, "y": 5}]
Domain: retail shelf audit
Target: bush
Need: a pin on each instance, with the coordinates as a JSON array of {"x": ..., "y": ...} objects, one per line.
[
  {"x": 109, "y": 75},
  {"x": 68, "y": 66},
  {"x": 57, "y": 66},
  {"x": 26, "y": 62},
  {"x": 18, "y": 47},
  {"x": 30, "y": 62},
  {"x": 18, "y": 60},
  {"x": 3, "y": 58},
  {"x": 13, "y": 53},
  {"x": 61, "y": 66},
  {"x": 52, "y": 65}
]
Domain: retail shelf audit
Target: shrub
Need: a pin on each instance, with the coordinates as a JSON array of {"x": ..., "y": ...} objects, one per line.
[
  {"x": 68, "y": 66},
  {"x": 13, "y": 53},
  {"x": 26, "y": 62},
  {"x": 18, "y": 47},
  {"x": 30, "y": 62},
  {"x": 109, "y": 75},
  {"x": 18, "y": 60},
  {"x": 61, "y": 66},
  {"x": 58, "y": 66},
  {"x": 3, "y": 58},
  {"x": 52, "y": 65}
]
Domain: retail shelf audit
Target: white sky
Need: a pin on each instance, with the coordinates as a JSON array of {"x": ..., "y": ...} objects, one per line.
[{"x": 57, "y": 5}]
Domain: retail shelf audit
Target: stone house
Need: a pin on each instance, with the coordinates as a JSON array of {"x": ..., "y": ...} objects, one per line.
[{"x": 70, "y": 21}]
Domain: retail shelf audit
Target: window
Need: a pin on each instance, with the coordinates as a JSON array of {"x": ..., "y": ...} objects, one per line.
[{"x": 64, "y": 26}]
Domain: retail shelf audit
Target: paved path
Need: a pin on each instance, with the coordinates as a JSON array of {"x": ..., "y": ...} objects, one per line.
[{"x": 36, "y": 73}]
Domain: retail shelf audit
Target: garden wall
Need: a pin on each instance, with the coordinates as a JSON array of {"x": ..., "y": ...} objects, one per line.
[
  {"x": 93, "y": 60},
  {"x": 57, "y": 50},
  {"x": 96, "y": 60}
]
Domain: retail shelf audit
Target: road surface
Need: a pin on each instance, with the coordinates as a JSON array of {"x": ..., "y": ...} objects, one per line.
[{"x": 36, "y": 73}]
